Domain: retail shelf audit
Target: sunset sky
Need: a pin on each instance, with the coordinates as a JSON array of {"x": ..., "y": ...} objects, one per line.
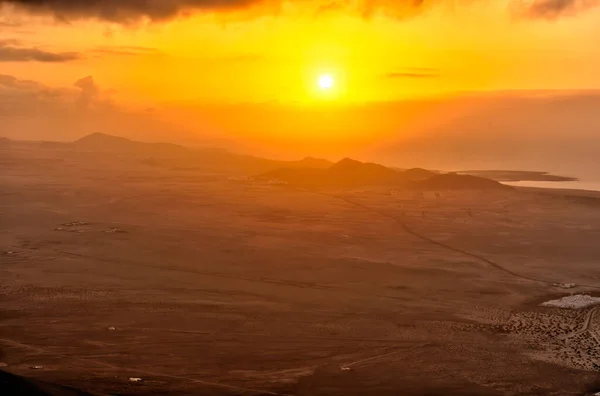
[{"x": 168, "y": 58}]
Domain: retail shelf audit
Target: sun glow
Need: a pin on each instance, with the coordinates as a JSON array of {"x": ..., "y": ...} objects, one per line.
[{"x": 326, "y": 81}]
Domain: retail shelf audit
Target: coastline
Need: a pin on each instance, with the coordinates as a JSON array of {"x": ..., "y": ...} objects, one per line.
[{"x": 571, "y": 187}]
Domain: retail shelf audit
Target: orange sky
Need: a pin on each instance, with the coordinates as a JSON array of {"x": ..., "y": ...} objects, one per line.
[
  {"x": 268, "y": 56},
  {"x": 194, "y": 54}
]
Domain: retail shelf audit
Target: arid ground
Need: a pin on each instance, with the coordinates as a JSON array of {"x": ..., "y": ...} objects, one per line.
[{"x": 200, "y": 283}]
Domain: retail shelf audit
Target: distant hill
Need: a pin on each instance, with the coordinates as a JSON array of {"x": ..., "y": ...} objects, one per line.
[
  {"x": 306, "y": 172},
  {"x": 418, "y": 174},
  {"x": 349, "y": 172},
  {"x": 310, "y": 162},
  {"x": 101, "y": 142},
  {"x": 173, "y": 156}
]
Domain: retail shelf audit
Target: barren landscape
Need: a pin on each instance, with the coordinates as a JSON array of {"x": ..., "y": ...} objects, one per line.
[{"x": 125, "y": 278}]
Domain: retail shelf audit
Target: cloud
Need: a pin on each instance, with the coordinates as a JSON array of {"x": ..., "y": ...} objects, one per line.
[
  {"x": 554, "y": 9},
  {"x": 330, "y": 7},
  {"x": 12, "y": 83},
  {"x": 125, "y": 11},
  {"x": 89, "y": 92},
  {"x": 13, "y": 26},
  {"x": 12, "y": 51},
  {"x": 33, "y": 110},
  {"x": 25, "y": 96},
  {"x": 540, "y": 9},
  {"x": 414, "y": 72},
  {"x": 126, "y": 50},
  {"x": 131, "y": 11},
  {"x": 22, "y": 98}
]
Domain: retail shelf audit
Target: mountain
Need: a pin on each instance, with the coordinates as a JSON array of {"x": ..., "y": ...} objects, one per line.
[
  {"x": 307, "y": 172},
  {"x": 350, "y": 173},
  {"x": 418, "y": 174},
  {"x": 173, "y": 156},
  {"x": 101, "y": 142},
  {"x": 347, "y": 172},
  {"x": 310, "y": 162}
]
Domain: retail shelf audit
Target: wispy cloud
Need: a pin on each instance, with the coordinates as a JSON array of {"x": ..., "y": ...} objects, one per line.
[
  {"x": 126, "y": 50},
  {"x": 14, "y": 27},
  {"x": 11, "y": 50}
]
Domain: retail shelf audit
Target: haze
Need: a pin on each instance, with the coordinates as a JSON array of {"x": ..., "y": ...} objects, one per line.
[
  {"x": 299, "y": 198},
  {"x": 495, "y": 78}
]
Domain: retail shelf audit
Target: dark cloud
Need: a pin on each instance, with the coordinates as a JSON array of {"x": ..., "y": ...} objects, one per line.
[
  {"x": 554, "y": 9},
  {"x": 12, "y": 51},
  {"x": 131, "y": 11},
  {"x": 124, "y": 11},
  {"x": 414, "y": 72},
  {"x": 20, "y": 98},
  {"x": 541, "y": 9}
]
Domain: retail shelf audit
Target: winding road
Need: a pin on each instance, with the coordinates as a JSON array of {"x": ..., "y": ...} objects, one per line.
[
  {"x": 587, "y": 324},
  {"x": 443, "y": 245}
]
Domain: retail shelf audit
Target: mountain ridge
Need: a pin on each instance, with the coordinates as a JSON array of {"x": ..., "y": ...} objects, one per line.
[{"x": 351, "y": 173}]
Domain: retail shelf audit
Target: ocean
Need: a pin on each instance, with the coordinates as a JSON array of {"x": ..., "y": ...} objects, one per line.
[{"x": 583, "y": 184}]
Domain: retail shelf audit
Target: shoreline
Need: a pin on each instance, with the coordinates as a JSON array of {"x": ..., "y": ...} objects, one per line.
[
  {"x": 570, "y": 191},
  {"x": 571, "y": 188},
  {"x": 517, "y": 176}
]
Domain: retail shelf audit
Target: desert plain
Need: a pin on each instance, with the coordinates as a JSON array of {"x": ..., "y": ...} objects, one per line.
[{"x": 121, "y": 277}]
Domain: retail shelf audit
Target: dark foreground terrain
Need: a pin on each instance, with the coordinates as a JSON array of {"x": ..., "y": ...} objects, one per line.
[{"x": 197, "y": 283}]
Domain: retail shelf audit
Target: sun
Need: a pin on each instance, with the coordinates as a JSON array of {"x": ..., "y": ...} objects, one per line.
[{"x": 326, "y": 81}]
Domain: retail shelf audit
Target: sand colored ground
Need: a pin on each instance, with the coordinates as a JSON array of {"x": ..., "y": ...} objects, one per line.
[{"x": 203, "y": 283}]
